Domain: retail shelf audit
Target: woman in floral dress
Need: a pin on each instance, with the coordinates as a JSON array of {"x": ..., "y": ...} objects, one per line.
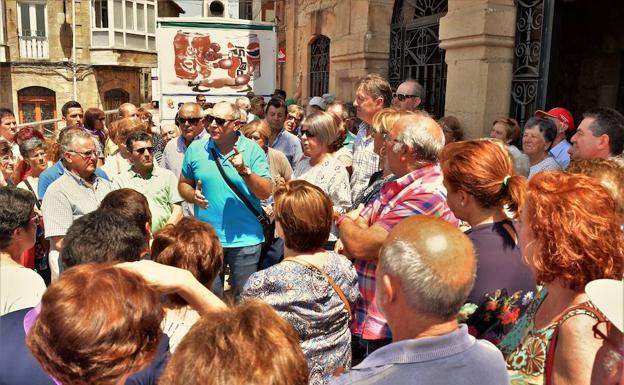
[
  {"x": 570, "y": 235},
  {"x": 311, "y": 288}
]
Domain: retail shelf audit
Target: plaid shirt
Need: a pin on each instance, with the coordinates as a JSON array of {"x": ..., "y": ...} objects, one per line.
[
  {"x": 419, "y": 192},
  {"x": 365, "y": 161}
]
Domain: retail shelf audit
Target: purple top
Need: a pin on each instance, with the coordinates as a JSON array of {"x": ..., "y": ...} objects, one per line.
[{"x": 499, "y": 261}]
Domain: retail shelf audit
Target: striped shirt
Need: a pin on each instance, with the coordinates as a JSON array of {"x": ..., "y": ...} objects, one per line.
[
  {"x": 365, "y": 161},
  {"x": 418, "y": 193}
]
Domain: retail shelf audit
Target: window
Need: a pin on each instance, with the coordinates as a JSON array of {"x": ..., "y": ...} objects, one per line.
[
  {"x": 2, "y": 34},
  {"x": 36, "y": 104},
  {"x": 123, "y": 24},
  {"x": 32, "y": 29},
  {"x": 245, "y": 9},
  {"x": 319, "y": 66}
]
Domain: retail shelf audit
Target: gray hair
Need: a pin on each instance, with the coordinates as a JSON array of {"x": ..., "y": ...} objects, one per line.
[
  {"x": 323, "y": 125},
  {"x": 418, "y": 135},
  {"x": 67, "y": 144},
  {"x": 422, "y": 286},
  {"x": 29, "y": 145},
  {"x": 418, "y": 89}
]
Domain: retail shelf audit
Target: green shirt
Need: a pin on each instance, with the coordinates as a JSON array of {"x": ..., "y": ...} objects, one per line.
[{"x": 160, "y": 188}]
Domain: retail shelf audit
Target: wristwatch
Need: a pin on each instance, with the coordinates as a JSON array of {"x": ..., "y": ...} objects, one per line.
[{"x": 245, "y": 172}]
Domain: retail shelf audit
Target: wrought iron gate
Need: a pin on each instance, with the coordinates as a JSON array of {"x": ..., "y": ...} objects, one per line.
[
  {"x": 534, "y": 22},
  {"x": 415, "y": 49},
  {"x": 319, "y": 66}
]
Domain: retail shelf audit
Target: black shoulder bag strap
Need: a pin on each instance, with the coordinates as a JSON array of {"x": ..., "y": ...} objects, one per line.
[
  {"x": 259, "y": 215},
  {"x": 33, "y": 191}
]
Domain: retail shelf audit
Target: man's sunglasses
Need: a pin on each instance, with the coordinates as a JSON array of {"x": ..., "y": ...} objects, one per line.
[
  {"x": 142, "y": 150},
  {"x": 402, "y": 97},
  {"x": 191, "y": 121},
  {"x": 220, "y": 121}
]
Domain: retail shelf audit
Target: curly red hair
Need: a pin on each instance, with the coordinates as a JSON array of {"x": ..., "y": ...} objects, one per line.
[
  {"x": 97, "y": 324},
  {"x": 577, "y": 235}
]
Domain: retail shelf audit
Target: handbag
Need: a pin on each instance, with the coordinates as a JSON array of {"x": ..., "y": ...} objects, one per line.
[{"x": 332, "y": 283}]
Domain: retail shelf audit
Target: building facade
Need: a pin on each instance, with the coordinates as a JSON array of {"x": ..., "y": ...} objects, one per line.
[
  {"x": 477, "y": 59},
  {"x": 114, "y": 52}
]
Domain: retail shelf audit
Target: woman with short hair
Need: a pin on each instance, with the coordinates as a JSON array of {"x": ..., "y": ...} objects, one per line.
[
  {"x": 569, "y": 235},
  {"x": 72, "y": 348},
  {"x": 119, "y": 162},
  {"x": 192, "y": 245},
  {"x": 507, "y": 130},
  {"x": 319, "y": 167},
  {"x": 537, "y": 140},
  {"x": 259, "y": 131},
  {"x": 245, "y": 344},
  {"x": 7, "y": 164},
  {"x": 312, "y": 289},
  {"x": 33, "y": 152}
]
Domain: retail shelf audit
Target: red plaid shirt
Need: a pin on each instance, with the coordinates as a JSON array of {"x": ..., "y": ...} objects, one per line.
[{"x": 419, "y": 192}]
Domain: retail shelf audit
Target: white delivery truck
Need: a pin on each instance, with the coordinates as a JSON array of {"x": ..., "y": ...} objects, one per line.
[{"x": 218, "y": 57}]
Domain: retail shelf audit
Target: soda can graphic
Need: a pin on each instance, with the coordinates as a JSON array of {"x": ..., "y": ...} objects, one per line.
[
  {"x": 253, "y": 55},
  {"x": 202, "y": 46},
  {"x": 184, "y": 53}
]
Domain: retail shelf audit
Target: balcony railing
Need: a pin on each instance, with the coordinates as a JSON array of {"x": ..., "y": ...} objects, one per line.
[{"x": 33, "y": 47}]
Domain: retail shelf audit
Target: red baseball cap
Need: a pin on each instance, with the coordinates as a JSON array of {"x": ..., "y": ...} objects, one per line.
[{"x": 558, "y": 113}]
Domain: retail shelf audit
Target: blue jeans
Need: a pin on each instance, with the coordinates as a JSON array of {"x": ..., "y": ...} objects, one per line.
[{"x": 243, "y": 263}]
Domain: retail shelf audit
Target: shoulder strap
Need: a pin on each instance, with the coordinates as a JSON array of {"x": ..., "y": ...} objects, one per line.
[
  {"x": 259, "y": 215},
  {"x": 27, "y": 183},
  {"x": 550, "y": 354},
  {"x": 332, "y": 283}
]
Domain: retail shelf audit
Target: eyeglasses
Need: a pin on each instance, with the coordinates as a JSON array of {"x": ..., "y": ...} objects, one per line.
[
  {"x": 7, "y": 159},
  {"x": 307, "y": 133},
  {"x": 402, "y": 97},
  {"x": 86, "y": 154},
  {"x": 220, "y": 121},
  {"x": 192, "y": 121},
  {"x": 291, "y": 117},
  {"x": 142, "y": 150}
]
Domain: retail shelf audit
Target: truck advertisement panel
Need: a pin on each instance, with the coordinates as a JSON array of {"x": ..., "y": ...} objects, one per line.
[{"x": 219, "y": 58}]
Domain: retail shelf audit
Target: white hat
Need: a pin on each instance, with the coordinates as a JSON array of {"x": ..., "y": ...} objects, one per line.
[
  {"x": 608, "y": 296},
  {"x": 319, "y": 102}
]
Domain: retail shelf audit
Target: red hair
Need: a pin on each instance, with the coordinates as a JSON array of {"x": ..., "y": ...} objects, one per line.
[
  {"x": 192, "y": 245},
  {"x": 491, "y": 180},
  {"x": 577, "y": 235},
  {"x": 97, "y": 324}
]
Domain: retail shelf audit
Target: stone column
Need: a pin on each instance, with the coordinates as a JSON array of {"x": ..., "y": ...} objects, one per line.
[{"x": 478, "y": 37}]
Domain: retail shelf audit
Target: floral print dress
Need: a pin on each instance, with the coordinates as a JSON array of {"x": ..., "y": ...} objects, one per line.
[
  {"x": 304, "y": 297},
  {"x": 526, "y": 348}
]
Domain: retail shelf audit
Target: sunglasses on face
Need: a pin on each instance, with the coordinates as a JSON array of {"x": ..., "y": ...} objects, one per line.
[
  {"x": 402, "y": 97},
  {"x": 142, "y": 150},
  {"x": 307, "y": 133},
  {"x": 191, "y": 121},
  {"x": 219, "y": 121}
]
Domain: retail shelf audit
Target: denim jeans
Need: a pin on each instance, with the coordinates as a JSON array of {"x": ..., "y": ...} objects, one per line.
[{"x": 243, "y": 263}]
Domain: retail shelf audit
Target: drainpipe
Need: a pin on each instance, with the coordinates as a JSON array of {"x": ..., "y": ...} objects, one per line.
[{"x": 74, "y": 48}]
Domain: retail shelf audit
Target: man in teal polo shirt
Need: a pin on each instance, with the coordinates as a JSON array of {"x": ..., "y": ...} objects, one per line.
[
  {"x": 159, "y": 185},
  {"x": 201, "y": 183}
]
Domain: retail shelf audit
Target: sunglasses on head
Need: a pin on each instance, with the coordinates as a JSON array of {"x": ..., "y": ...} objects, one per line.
[
  {"x": 142, "y": 150},
  {"x": 402, "y": 97},
  {"x": 191, "y": 121},
  {"x": 220, "y": 121}
]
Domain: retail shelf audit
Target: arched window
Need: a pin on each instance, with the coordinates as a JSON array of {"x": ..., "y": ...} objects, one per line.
[
  {"x": 36, "y": 104},
  {"x": 415, "y": 51},
  {"x": 113, "y": 99},
  {"x": 319, "y": 66}
]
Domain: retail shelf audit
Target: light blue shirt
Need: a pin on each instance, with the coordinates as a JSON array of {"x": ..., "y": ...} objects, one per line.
[
  {"x": 290, "y": 146},
  {"x": 560, "y": 153},
  {"x": 454, "y": 358},
  {"x": 173, "y": 154},
  {"x": 233, "y": 222}
]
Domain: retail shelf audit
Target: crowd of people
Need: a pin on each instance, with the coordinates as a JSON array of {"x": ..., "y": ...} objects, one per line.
[{"x": 274, "y": 240}]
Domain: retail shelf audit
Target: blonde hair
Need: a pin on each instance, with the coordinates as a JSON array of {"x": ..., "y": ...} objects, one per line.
[
  {"x": 384, "y": 119},
  {"x": 296, "y": 110},
  {"x": 259, "y": 126}
]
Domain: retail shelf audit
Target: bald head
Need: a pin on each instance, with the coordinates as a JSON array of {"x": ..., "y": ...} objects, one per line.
[
  {"x": 127, "y": 110},
  {"x": 434, "y": 261},
  {"x": 226, "y": 110},
  {"x": 422, "y": 134}
]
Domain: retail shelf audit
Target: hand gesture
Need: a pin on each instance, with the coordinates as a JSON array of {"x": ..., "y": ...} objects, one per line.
[
  {"x": 237, "y": 161},
  {"x": 198, "y": 198},
  {"x": 162, "y": 278}
]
